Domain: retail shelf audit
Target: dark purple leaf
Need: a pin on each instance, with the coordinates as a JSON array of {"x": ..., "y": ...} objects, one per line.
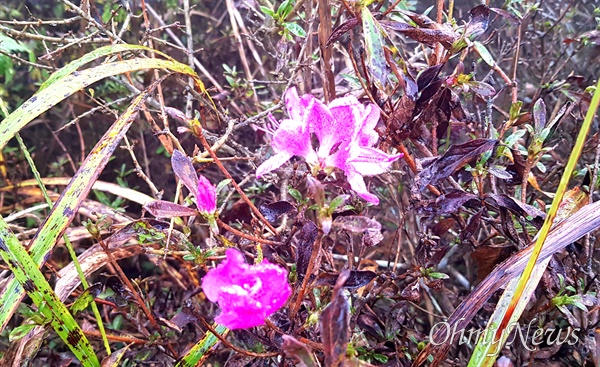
[
  {"x": 341, "y": 29},
  {"x": 517, "y": 208},
  {"x": 185, "y": 171},
  {"x": 429, "y": 37},
  {"x": 480, "y": 16},
  {"x": 292, "y": 347},
  {"x": 452, "y": 201},
  {"x": 456, "y": 157},
  {"x": 412, "y": 292},
  {"x": 428, "y": 76},
  {"x": 472, "y": 226},
  {"x": 429, "y": 91},
  {"x": 482, "y": 89},
  {"x": 167, "y": 209},
  {"x": 420, "y": 19},
  {"x": 356, "y": 279},
  {"x": 500, "y": 173},
  {"x": 335, "y": 320},
  {"x": 273, "y": 211},
  {"x": 306, "y": 239},
  {"x": 370, "y": 228},
  {"x": 511, "y": 17}
]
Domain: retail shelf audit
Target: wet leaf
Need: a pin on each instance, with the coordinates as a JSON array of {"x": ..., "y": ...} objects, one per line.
[
  {"x": 480, "y": 16},
  {"x": 429, "y": 37},
  {"x": 273, "y": 211},
  {"x": 375, "y": 57},
  {"x": 412, "y": 292},
  {"x": 292, "y": 347},
  {"x": 511, "y": 17},
  {"x": 19, "y": 332},
  {"x": 429, "y": 75},
  {"x": 517, "y": 207},
  {"x": 185, "y": 171},
  {"x": 482, "y": 89},
  {"x": 484, "y": 53},
  {"x": 167, "y": 209},
  {"x": 356, "y": 279},
  {"x": 306, "y": 239},
  {"x": 335, "y": 320},
  {"x": 456, "y": 157},
  {"x": 357, "y": 223},
  {"x": 539, "y": 115},
  {"x": 115, "y": 358},
  {"x": 340, "y": 30},
  {"x": 86, "y": 298}
]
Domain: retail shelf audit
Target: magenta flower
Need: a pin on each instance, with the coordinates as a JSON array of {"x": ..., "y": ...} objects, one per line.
[
  {"x": 346, "y": 133},
  {"x": 206, "y": 196},
  {"x": 247, "y": 294}
]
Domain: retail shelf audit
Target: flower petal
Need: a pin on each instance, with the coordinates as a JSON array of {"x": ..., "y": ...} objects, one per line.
[
  {"x": 367, "y": 136},
  {"x": 326, "y": 128},
  {"x": 206, "y": 196},
  {"x": 297, "y": 106},
  {"x": 247, "y": 294},
  {"x": 357, "y": 183},
  {"x": 371, "y": 161},
  {"x": 273, "y": 163}
]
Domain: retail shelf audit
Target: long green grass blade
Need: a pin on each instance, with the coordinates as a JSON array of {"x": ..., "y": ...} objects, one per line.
[
  {"x": 91, "y": 56},
  {"x": 68, "y": 85},
  {"x": 32, "y": 280},
  {"x": 510, "y": 310},
  {"x": 69, "y": 202}
]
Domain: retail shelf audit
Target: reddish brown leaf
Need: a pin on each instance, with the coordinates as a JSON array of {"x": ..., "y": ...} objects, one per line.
[
  {"x": 167, "y": 209},
  {"x": 429, "y": 37},
  {"x": 480, "y": 16},
  {"x": 335, "y": 319},
  {"x": 356, "y": 279},
  {"x": 306, "y": 239},
  {"x": 292, "y": 347},
  {"x": 273, "y": 211},
  {"x": 456, "y": 157},
  {"x": 341, "y": 29},
  {"x": 185, "y": 171}
]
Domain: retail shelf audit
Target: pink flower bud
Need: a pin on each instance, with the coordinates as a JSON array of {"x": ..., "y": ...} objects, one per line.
[{"x": 206, "y": 196}]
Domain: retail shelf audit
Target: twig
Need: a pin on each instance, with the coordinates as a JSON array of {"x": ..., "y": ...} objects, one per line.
[
  {"x": 231, "y": 346},
  {"x": 198, "y": 132},
  {"x": 21, "y": 60},
  {"x": 244, "y": 235}
]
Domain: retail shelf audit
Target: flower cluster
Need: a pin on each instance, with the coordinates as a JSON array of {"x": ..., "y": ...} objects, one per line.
[
  {"x": 247, "y": 294},
  {"x": 346, "y": 133}
]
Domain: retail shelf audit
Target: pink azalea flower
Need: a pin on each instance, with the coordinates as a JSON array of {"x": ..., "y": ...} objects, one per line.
[
  {"x": 206, "y": 196},
  {"x": 346, "y": 132},
  {"x": 247, "y": 294}
]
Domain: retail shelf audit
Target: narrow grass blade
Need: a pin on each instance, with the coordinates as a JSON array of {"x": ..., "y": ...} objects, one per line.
[
  {"x": 32, "y": 280},
  {"x": 69, "y": 202},
  {"x": 511, "y": 312},
  {"x": 200, "y": 351},
  {"x": 68, "y": 85},
  {"x": 91, "y": 56}
]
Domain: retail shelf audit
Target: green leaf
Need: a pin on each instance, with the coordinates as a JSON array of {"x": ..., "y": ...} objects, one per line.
[
  {"x": 267, "y": 11},
  {"x": 19, "y": 332},
  {"x": 295, "y": 29},
  {"x": 85, "y": 299},
  {"x": 285, "y": 9},
  {"x": 484, "y": 53}
]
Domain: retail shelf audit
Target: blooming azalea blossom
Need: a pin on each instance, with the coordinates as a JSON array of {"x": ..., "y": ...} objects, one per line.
[
  {"x": 346, "y": 132},
  {"x": 247, "y": 294}
]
